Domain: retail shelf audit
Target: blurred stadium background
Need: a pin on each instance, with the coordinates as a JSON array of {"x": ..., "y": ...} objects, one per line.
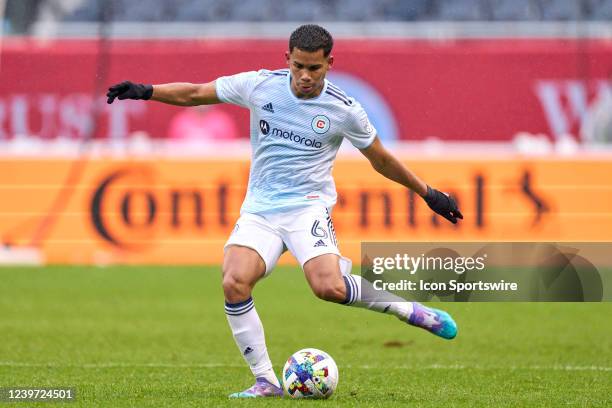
[{"x": 505, "y": 103}]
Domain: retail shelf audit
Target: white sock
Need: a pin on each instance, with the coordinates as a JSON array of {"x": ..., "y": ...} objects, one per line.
[
  {"x": 250, "y": 339},
  {"x": 361, "y": 293}
]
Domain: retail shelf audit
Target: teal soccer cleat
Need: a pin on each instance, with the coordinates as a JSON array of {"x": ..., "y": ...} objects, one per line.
[
  {"x": 261, "y": 389},
  {"x": 435, "y": 321}
]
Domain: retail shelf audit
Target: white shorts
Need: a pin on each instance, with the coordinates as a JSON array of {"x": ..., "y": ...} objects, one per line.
[{"x": 307, "y": 232}]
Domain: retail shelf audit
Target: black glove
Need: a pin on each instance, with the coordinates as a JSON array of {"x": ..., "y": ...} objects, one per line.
[
  {"x": 443, "y": 204},
  {"x": 129, "y": 90}
]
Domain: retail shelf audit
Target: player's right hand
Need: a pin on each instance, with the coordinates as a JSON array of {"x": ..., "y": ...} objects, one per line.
[
  {"x": 443, "y": 204},
  {"x": 129, "y": 90}
]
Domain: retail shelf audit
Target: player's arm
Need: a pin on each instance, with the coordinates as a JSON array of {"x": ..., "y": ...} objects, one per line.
[
  {"x": 389, "y": 166},
  {"x": 178, "y": 93}
]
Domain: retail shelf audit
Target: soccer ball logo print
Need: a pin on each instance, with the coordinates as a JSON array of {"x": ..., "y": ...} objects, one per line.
[{"x": 320, "y": 124}]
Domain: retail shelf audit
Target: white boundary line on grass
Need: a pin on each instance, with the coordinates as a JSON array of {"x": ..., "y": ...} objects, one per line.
[{"x": 361, "y": 367}]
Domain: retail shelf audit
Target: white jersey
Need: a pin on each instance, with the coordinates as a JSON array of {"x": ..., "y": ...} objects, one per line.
[{"x": 294, "y": 141}]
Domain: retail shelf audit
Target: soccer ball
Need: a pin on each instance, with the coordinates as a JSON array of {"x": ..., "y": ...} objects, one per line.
[{"x": 310, "y": 373}]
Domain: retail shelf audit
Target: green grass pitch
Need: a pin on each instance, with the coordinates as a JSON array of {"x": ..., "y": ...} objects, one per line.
[{"x": 158, "y": 336}]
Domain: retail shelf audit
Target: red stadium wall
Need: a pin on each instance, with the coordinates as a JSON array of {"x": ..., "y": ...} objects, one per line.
[{"x": 453, "y": 90}]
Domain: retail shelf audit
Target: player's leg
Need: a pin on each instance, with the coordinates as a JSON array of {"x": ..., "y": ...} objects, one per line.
[
  {"x": 242, "y": 268},
  {"x": 329, "y": 275},
  {"x": 324, "y": 275},
  {"x": 250, "y": 254}
]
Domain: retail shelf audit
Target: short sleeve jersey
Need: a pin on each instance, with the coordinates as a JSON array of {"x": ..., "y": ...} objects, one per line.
[{"x": 294, "y": 141}]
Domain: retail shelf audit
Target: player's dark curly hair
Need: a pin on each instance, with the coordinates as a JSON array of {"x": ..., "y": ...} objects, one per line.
[{"x": 311, "y": 38}]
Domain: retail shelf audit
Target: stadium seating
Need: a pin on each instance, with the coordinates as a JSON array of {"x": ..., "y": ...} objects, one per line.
[
  {"x": 514, "y": 10},
  {"x": 304, "y": 10},
  {"x": 345, "y": 10},
  {"x": 561, "y": 10},
  {"x": 205, "y": 10},
  {"x": 360, "y": 10},
  {"x": 600, "y": 9},
  {"x": 463, "y": 10},
  {"x": 16, "y": 21},
  {"x": 406, "y": 10}
]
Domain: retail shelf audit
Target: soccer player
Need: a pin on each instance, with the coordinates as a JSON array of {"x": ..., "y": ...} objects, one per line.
[{"x": 298, "y": 121}]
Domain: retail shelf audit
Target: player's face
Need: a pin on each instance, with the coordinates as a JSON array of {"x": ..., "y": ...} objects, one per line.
[{"x": 308, "y": 71}]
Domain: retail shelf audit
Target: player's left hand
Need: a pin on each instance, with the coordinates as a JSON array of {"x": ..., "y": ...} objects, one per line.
[{"x": 443, "y": 204}]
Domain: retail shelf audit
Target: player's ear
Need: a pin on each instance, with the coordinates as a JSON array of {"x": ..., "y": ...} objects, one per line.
[
  {"x": 330, "y": 60},
  {"x": 287, "y": 56}
]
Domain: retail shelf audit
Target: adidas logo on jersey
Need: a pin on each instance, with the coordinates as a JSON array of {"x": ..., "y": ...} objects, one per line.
[
  {"x": 319, "y": 243},
  {"x": 268, "y": 107}
]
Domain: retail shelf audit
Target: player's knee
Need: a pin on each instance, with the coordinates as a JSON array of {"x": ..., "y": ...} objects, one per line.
[
  {"x": 333, "y": 291},
  {"x": 235, "y": 289}
]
